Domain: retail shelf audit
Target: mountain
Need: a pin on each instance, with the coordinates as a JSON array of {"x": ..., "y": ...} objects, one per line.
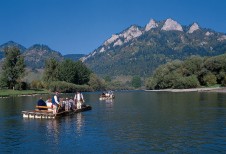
[
  {"x": 10, "y": 44},
  {"x": 74, "y": 57},
  {"x": 139, "y": 50},
  {"x": 36, "y": 55}
]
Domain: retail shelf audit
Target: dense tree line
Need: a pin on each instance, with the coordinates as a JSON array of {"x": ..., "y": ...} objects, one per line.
[
  {"x": 64, "y": 76},
  {"x": 67, "y": 70},
  {"x": 70, "y": 75},
  {"x": 193, "y": 72}
]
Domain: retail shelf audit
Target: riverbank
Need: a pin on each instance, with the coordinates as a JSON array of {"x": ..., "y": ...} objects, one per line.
[
  {"x": 9, "y": 92},
  {"x": 214, "y": 89}
]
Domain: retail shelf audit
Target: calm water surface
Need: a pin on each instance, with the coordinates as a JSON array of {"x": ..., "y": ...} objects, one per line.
[{"x": 135, "y": 122}]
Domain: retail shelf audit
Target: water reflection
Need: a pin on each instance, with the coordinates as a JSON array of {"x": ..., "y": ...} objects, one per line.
[
  {"x": 79, "y": 123},
  {"x": 53, "y": 130},
  {"x": 108, "y": 102}
]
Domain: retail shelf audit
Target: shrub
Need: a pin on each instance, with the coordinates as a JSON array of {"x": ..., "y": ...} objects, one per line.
[
  {"x": 224, "y": 81},
  {"x": 36, "y": 84},
  {"x": 151, "y": 83},
  {"x": 21, "y": 86},
  {"x": 209, "y": 79},
  {"x": 186, "y": 82},
  {"x": 66, "y": 87}
]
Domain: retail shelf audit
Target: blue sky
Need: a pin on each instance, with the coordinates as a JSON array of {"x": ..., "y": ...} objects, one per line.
[{"x": 80, "y": 26}]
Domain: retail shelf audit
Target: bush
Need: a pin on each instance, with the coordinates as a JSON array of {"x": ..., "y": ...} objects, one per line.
[
  {"x": 21, "y": 86},
  {"x": 151, "y": 83},
  {"x": 96, "y": 83},
  {"x": 66, "y": 87},
  {"x": 37, "y": 84},
  {"x": 210, "y": 79},
  {"x": 186, "y": 82},
  {"x": 224, "y": 81},
  {"x": 136, "y": 82}
]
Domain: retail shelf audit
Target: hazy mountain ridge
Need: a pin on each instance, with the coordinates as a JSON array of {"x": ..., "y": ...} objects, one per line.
[
  {"x": 36, "y": 55},
  {"x": 10, "y": 44},
  {"x": 139, "y": 50},
  {"x": 74, "y": 57}
]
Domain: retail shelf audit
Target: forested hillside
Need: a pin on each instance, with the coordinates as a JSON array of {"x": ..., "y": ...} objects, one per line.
[{"x": 139, "y": 50}]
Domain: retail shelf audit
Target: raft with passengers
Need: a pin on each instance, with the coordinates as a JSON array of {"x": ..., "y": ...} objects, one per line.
[
  {"x": 107, "y": 95},
  {"x": 58, "y": 107}
]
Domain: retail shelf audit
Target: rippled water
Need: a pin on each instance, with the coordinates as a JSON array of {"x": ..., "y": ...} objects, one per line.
[{"x": 135, "y": 122}]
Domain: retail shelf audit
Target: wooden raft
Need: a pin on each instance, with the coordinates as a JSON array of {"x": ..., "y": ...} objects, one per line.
[{"x": 45, "y": 114}]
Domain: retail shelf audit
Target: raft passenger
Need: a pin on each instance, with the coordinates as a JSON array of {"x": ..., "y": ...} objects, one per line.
[{"x": 41, "y": 103}]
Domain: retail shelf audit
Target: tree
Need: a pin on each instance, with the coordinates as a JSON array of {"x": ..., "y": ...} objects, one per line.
[
  {"x": 186, "y": 82},
  {"x": 96, "y": 83},
  {"x": 51, "y": 70},
  {"x": 13, "y": 67},
  {"x": 151, "y": 83},
  {"x": 210, "y": 79},
  {"x": 193, "y": 65},
  {"x": 107, "y": 78},
  {"x": 136, "y": 82},
  {"x": 82, "y": 73},
  {"x": 67, "y": 71}
]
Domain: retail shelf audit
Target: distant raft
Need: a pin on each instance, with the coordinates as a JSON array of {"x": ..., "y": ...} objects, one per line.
[
  {"x": 45, "y": 114},
  {"x": 107, "y": 95}
]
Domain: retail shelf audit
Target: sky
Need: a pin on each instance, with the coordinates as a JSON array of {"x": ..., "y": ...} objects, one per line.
[{"x": 81, "y": 26}]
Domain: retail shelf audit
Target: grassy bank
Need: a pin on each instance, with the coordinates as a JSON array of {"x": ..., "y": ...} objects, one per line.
[{"x": 9, "y": 92}]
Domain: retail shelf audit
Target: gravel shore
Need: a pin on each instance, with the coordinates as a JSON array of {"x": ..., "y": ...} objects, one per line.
[{"x": 216, "y": 89}]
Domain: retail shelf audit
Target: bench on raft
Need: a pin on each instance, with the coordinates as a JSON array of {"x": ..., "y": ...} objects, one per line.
[{"x": 43, "y": 108}]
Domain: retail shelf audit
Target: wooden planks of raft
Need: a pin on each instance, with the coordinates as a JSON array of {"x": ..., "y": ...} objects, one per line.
[{"x": 45, "y": 114}]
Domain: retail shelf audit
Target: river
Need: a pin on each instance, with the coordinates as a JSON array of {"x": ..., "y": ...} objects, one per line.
[{"x": 134, "y": 122}]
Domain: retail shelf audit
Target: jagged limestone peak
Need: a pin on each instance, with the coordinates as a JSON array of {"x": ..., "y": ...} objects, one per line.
[
  {"x": 170, "y": 24},
  {"x": 152, "y": 24},
  {"x": 193, "y": 28}
]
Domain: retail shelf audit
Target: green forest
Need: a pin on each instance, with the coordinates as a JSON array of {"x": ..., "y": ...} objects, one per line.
[
  {"x": 64, "y": 76},
  {"x": 193, "y": 72},
  {"x": 70, "y": 76}
]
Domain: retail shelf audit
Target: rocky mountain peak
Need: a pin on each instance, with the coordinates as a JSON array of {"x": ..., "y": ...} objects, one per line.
[
  {"x": 150, "y": 25},
  {"x": 111, "y": 39},
  {"x": 131, "y": 33},
  {"x": 193, "y": 28},
  {"x": 170, "y": 24}
]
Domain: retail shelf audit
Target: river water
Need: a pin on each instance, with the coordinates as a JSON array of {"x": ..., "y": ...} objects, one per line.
[{"x": 134, "y": 122}]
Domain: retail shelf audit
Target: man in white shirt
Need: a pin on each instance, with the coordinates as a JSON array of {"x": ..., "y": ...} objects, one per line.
[
  {"x": 56, "y": 103},
  {"x": 79, "y": 99}
]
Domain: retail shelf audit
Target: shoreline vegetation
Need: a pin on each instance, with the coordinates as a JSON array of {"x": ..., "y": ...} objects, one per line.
[
  {"x": 9, "y": 92},
  {"x": 212, "y": 89}
]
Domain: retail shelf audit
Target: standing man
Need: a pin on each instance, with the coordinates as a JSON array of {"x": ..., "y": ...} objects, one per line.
[
  {"x": 79, "y": 99},
  {"x": 55, "y": 102}
]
